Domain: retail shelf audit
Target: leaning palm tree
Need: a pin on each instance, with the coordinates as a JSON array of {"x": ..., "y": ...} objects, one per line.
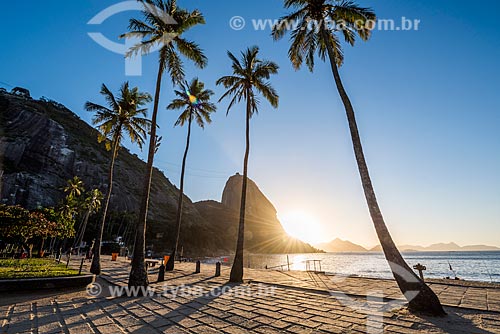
[
  {"x": 157, "y": 29},
  {"x": 249, "y": 78},
  {"x": 194, "y": 99},
  {"x": 91, "y": 204},
  {"x": 336, "y": 19},
  {"x": 123, "y": 116}
]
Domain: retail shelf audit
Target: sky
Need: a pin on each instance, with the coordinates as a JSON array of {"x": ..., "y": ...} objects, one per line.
[{"x": 426, "y": 102}]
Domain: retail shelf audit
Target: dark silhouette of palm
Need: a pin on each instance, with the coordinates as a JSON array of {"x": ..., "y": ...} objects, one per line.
[
  {"x": 334, "y": 20},
  {"x": 124, "y": 116},
  {"x": 249, "y": 79},
  {"x": 157, "y": 30},
  {"x": 194, "y": 100}
]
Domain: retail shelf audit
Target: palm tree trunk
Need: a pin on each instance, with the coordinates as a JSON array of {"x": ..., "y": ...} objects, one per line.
[
  {"x": 419, "y": 295},
  {"x": 82, "y": 231},
  {"x": 40, "y": 251},
  {"x": 171, "y": 261},
  {"x": 95, "y": 267},
  {"x": 138, "y": 273},
  {"x": 237, "y": 268}
]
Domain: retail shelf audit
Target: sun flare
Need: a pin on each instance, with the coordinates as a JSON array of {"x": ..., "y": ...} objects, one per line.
[{"x": 302, "y": 226}]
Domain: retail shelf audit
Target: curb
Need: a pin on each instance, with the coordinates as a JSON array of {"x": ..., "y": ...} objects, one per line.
[{"x": 27, "y": 284}]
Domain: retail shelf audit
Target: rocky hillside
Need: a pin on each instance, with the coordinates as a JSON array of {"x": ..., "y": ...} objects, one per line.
[
  {"x": 263, "y": 232},
  {"x": 43, "y": 144}
]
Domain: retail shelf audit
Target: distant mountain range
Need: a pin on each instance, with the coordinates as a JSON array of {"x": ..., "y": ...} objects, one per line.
[
  {"x": 339, "y": 245},
  {"x": 441, "y": 247}
]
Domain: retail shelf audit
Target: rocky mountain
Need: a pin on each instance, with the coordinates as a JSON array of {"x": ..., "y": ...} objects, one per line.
[
  {"x": 263, "y": 233},
  {"x": 339, "y": 245},
  {"x": 440, "y": 247},
  {"x": 43, "y": 144}
]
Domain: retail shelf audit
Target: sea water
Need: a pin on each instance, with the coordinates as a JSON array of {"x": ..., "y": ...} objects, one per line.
[{"x": 471, "y": 266}]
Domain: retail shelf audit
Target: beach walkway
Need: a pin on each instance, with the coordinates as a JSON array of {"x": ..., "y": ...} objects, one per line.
[{"x": 268, "y": 302}]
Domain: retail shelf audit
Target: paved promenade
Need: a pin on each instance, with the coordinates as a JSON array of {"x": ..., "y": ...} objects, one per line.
[{"x": 268, "y": 302}]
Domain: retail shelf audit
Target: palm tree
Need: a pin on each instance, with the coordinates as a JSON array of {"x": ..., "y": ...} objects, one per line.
[
  {"x": 124, "y": 116},
  {"x": 194, "y": 99},
  {"x": 71, "y": 204},
  {"x": 74, "y": 188},
  {"x": 348, "y": 19},
  {"x": 249, "y": 78},
  {"x": 156, "y": 30},
  {"x": 92, "y": 204}
]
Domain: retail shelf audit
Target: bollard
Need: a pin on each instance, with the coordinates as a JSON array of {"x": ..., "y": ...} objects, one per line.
[
  {"x": 198, "y": 267},
  {"x": 81, "y": 266},
  {"x": 161, "y": 272},
  {"x": 217, "y": 269}
]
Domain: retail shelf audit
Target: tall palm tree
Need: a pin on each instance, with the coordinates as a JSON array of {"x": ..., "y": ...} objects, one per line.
[
  {"x": 349, "y": 20},
  {"x": 156, "y": 30},
  {"x": 194, "y": 99},
  {"x": 91, "y": 204},
  {"x": 249, "y": 79},
  {"x": 123, "y": 116}
]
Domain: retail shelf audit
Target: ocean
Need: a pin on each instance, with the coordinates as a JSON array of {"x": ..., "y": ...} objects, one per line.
[{"x": 470, "y": 266}]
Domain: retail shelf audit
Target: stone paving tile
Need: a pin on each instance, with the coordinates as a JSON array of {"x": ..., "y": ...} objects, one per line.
[{"x": 285, "y": 310}]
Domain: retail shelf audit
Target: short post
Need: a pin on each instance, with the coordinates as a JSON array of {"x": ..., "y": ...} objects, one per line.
[
  {"x": 217, "y": 269},
  {"x": 420, "y": 269},
  {"x": 81, "y": 266},
  {"x": 288, "y": 262},
  {"x": 161, "y": 272},
  {"x": 69, "y": 256},
  {"x": 198, "y": 267}
]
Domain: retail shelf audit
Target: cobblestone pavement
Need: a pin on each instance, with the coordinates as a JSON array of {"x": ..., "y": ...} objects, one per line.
[
  {"x": 485, "y": 297},
  {"x": 269, "y": 302}
]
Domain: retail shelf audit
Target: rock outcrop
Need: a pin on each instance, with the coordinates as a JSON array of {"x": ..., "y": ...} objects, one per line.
[
  {"x": 43, "y": 144},
  {"x": 263, "y": 231}
]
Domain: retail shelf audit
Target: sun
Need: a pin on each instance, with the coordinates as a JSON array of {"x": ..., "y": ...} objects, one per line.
[{"x": 302, "y": 226}]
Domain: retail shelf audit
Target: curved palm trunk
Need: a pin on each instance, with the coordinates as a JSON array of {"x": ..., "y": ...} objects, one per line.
[
  {"x": 95, "y": 267},
  {"x": 419, "y": 295},
  {"x": 83, "y": 227},
  {"x": 138, "y": 273},
  {"x": 237, "y": 268},
  {"x": 171, "y": 261}
]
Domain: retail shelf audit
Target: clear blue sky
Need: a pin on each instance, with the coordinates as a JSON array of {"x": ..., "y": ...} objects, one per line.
[{"x": 427, "y": 106}]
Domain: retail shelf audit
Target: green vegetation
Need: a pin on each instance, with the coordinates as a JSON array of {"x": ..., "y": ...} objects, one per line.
[
  {"x": 33, "y": 268},
  {"x": 26, "y": 227}
]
